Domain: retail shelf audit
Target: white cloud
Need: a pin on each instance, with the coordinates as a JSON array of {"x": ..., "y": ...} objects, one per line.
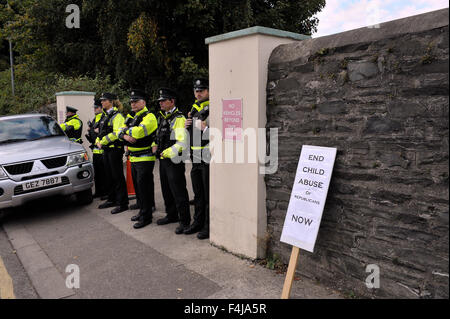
[{"x": 339, "y": 16}]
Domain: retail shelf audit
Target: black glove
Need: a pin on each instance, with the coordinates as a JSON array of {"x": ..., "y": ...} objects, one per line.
[{"x": 88, "y": 137}]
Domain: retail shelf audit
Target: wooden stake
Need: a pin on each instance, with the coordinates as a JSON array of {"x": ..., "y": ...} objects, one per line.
[{"x": 290, "y": 273}]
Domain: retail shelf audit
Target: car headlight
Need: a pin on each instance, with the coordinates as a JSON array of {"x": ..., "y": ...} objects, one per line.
[
  {"x": 76, "y": 159},
  {"x": 3, "y": 174}
]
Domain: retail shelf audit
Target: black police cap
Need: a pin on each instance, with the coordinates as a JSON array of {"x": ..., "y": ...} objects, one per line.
[
  {"x": 71, "y": 109},
  {"x": 166, "y": 94},
  {"x": 137, "y": 94},
  {"x": 201, "y": 83},
  {"x": 108, "y": 96},
  {"x": 97, "y": 103}
]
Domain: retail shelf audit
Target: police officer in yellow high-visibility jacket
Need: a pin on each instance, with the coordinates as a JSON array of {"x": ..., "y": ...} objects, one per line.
[
  {"x": 91, "y": 136},
  {"x": 171, "y": 141},
  {"x": 108, "y": 141},
  {"x": 72, "y": 126},
  {"x": 199, "y": 138},
  {"x": 139, "y": 135}
]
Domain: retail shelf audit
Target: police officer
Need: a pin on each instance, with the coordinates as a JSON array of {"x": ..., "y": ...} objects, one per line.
[
  {"x": 128, "y": 120},
  {"x": 139, "y": 135},
  {"x": 108, "y": 140},
  {"x": 197, "y": 128},
  {"x": 72, "y": 126},
  {"x": 91, "y": 136},
  {"x": 171, "y": 168}
]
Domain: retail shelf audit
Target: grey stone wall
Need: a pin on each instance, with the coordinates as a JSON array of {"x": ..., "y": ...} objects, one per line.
[{"x": 383, "y": 103}]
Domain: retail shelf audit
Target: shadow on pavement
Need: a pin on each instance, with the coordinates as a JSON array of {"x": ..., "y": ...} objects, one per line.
[{"x": 47, "y": 207}]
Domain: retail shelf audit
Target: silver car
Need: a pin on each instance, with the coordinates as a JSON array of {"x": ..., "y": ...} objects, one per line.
[{"x": 37, "y": 159}]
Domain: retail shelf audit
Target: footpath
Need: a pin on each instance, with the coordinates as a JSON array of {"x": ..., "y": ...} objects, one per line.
[{"x": 117, "y": 261}]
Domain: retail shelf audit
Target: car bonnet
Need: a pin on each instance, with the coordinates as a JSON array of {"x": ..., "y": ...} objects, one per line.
[{"x": 32, "y": 150}]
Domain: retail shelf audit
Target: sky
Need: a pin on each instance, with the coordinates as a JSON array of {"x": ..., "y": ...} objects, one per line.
[{"x": 344, "y": 15}]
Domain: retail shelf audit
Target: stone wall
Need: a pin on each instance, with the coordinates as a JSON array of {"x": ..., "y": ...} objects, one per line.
[{"x": 381, "y": 97}]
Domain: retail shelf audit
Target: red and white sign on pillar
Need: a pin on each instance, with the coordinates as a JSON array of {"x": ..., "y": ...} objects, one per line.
[{"x": 232, "y": 119}]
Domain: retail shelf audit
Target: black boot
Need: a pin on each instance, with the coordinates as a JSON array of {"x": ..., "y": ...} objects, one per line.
[
  {"x": 142, "y": 223},
  {"x": 192, "y": 229},
  {"x": 135, "y": 218},
  {"x": 134, "y": 206},
  {"x": 119, "y": 209},
  {"x": 107, "y": 204},
  {"x": 166, "y": 220},
  {"x": 203, "y": 234},
  {"x": 180, "y": 229}
]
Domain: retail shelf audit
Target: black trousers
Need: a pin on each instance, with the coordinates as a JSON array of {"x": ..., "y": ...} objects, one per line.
[
  {"x": 173, "y": 186},
  {"x": 99, "y": 169},
  {"x": 200, "y": 185},
  {"x": 114, "y": 171},
  {"x": 142, "y": 173}
]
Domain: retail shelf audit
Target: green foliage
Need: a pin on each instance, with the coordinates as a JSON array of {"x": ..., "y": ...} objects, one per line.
[
  {"x": 4, "y": 55},
  {"x": 323, "y": 51},
  {"x": 139, "y": 43},
  {"x": 190, "y": 69},
  {"x": 350, "y": 295},
  {"x": 274, "y": 262},
  {"x": 429, "y": 56},
  {"x": 34, "y": 89}
]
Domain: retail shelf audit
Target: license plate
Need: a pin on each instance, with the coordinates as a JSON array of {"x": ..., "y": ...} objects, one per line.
[{"x": 42, "y": 183}]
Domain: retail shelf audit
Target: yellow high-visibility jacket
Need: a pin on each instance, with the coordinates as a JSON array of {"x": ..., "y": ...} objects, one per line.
[
  {"x": 114, "y": 124},
  {"x": 73, "y": 127},
  {"x": 168, "y": 123},
  {"x": 143, "y": 131},
  {"x": 97, "y": 119}
]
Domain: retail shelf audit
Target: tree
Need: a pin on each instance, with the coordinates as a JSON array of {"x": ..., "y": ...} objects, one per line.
[{"x": 145, "y": 43}]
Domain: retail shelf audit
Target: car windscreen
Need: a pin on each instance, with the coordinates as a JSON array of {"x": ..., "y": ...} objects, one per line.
[{"x": 28, "y": 129}]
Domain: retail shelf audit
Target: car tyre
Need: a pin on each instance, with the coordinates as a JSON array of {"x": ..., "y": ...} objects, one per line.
[{"x": 85, "y": 197}]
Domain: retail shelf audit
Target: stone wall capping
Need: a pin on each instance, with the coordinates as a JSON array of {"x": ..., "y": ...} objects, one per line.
[{"x": 418, "y": 23}]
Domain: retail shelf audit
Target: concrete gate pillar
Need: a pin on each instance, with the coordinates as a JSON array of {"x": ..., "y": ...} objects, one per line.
[
  {"x": 83, "y": 101},
  {"x": 238, "y": 63}
]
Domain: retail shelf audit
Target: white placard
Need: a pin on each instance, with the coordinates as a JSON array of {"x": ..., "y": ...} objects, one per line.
[{"x": 308, "y": 196}]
